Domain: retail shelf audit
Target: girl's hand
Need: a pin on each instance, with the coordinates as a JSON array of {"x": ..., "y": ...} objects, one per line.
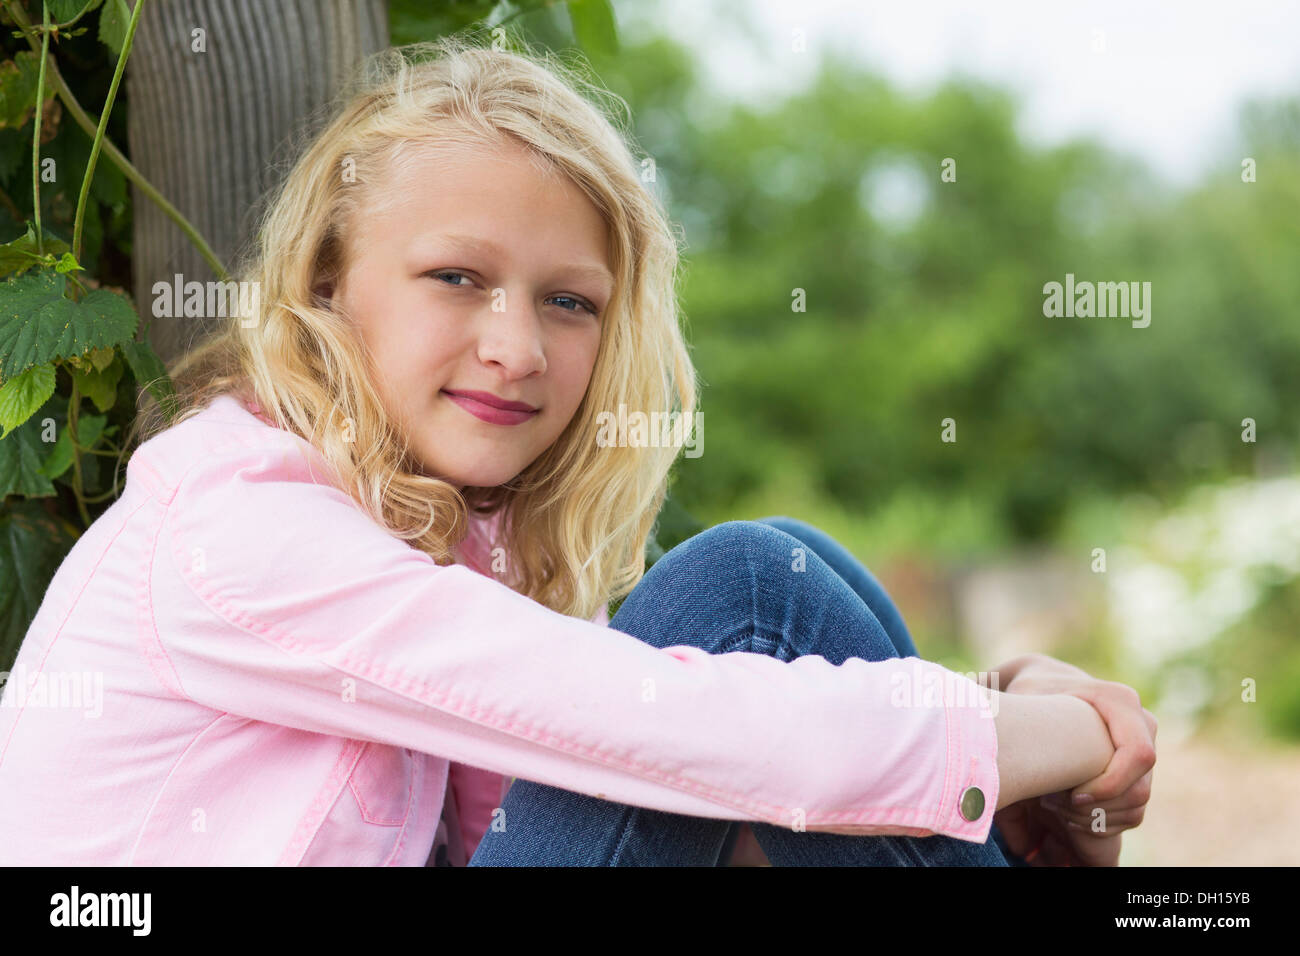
[
  {"x": 1124, "y": 787},
  {"x": 1042, "y": 838}
]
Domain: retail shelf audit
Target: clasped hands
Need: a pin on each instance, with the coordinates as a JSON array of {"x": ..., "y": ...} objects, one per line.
[{"x": 1064, "y": 829}]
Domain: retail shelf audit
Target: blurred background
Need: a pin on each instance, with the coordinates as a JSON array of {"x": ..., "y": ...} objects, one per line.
[
  {"x": 872, "y": 197},
  {"x": 1105, "y": 500}
]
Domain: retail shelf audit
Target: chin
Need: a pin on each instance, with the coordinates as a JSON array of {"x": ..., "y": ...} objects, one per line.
[{"x": 471, "y": 479}]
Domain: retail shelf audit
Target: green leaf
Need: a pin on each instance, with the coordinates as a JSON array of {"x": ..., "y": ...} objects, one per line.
[
  {"x": 113, "y": 21},
  {"x": 102, "y": 358},
  {"x": 61, "y": 11},
  {"x": 23, "y": 394},
  {"x": 89, "y": 430},
  {"x": 108, "y": 184},
  {"x": 100, "y": 386},
  {"x": 38, "y": 324},
  {"x": 148, "y": 370},
  {"x": 68, "y": 263},
  {"x": 13, "y": 143},
  {"x": 60, "y": 459},
  {"x": 593, "y": 25},
  {"x": 18, "y": 88},
  {"x": 33, "y": 543},
  {"x": 24, "y": 450},
  {"x": 20, "y": 255}
]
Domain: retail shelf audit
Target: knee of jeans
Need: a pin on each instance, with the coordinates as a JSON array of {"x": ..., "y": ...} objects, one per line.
[
  {"x": 730, "y": 551},
  {"x": 726, "y": 546},
  {"x": 762, "y": 541}
]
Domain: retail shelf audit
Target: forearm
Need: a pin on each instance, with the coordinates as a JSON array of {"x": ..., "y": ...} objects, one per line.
[{"x": 1046, "y": 743}]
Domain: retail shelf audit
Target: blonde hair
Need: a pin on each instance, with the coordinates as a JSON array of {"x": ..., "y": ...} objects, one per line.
[{"x": 575, "y": 521}]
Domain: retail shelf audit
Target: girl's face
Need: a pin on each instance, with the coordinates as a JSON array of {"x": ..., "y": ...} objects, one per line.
[{"x": 481, "y": 275}]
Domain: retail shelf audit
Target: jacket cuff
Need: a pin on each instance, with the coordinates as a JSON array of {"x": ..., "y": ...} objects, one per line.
[{"x": 971, "y": 783}]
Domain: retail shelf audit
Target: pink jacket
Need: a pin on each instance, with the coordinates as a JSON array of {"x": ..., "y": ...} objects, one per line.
[{"x": 235, "y": 665}]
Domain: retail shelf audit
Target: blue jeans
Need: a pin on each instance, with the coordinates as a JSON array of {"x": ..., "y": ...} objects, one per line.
[{"x": 729, "y": 589}]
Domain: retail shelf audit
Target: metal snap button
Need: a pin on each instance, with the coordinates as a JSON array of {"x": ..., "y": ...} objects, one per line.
[{"x": 972, "y": 803}]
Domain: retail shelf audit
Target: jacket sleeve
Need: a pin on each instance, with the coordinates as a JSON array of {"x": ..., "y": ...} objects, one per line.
[
  {"x": 278, "y": 599},
  {"x": 479, "y": 792}
]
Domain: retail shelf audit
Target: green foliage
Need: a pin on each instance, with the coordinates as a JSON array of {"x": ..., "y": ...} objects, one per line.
[
  {"x": 18, "y": 89},
  {"x": 1281, "y": 710},
  {"x": 912, "y": 320},
  {"x": 32, "y": 545},
  {"x": 23, "y": 459},
  {"x": 65, "y": 338},
  {"x": 99, "y": 385},
  {"x": 22, "y": 254},
  {"x": 585, "y": 24},
  {"x": 1262, "y": 647},
  {"x": 22, "y": 395},
  {"x": 112, "y": 24},
  {"x": 593, "y": 25},
  {"x": 148, "y": 370},
  {"x": 89, "y": 430},
  {"x": 39, "y": 324},
  {"x": 64, "y": 11}
]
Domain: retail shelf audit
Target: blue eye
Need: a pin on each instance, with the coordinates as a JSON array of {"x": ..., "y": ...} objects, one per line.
[
  {"x": 439, "y": 275},
  {"x": 582, "y": 302}
]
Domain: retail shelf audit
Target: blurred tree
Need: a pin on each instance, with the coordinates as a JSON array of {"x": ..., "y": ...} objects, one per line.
[{"x": 924, "y": 300}]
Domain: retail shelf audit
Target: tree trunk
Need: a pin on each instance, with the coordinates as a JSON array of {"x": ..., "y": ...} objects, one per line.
[{"x": 211, "y": 129}]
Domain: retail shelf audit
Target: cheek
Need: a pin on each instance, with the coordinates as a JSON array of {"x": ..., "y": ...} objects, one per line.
[
  {"x": 578, "y": 365},
  {"x": 408, "y": 343}
]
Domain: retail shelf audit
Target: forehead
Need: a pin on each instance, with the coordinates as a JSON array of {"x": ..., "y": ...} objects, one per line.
[
  {"x": 494, "y": 196},
  {"x": 412, "y": 164}
]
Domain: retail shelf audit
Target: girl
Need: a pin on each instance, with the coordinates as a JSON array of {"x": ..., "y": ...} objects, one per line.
[{"x": 361, "y": 583}]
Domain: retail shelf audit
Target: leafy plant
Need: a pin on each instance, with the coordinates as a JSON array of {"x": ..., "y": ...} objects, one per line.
[{"x": 64, "y": 338}]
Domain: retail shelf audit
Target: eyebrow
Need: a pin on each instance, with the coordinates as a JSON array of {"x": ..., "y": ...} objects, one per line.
[{"x": 592, "y": 271}]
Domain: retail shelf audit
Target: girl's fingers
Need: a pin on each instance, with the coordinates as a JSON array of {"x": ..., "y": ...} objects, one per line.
[
  {"x": 1113, "y": 821},
  {"x": 1133, "y": 798},
  {"x": 1132, "y": 730}
]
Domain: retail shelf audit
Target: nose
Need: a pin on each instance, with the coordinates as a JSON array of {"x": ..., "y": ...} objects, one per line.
[{"x": 512, "y": 337}]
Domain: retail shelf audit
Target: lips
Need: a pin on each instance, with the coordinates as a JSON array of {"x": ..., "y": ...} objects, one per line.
[
  {"x": 487, "y": 407},
  {"x": 487, "y": 398}
]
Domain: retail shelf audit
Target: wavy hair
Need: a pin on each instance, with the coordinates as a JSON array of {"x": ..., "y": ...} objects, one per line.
[{"x": 575, "y": 521}]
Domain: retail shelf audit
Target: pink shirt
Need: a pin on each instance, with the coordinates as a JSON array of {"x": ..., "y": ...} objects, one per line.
[{"x": 281, "y": 681}]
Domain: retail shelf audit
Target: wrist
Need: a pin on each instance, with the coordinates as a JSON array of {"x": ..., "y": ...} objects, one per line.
[{"x": 1047, "y": 743}]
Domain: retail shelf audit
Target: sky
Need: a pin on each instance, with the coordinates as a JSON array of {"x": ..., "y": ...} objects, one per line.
[{"x": 1159, "y": 80}]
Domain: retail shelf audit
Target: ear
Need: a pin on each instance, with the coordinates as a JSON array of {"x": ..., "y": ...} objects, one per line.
[{"x": 324, "y": 290}]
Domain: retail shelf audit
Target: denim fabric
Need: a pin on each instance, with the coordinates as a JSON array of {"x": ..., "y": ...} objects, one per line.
[{"x": 730, "y": 588}]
